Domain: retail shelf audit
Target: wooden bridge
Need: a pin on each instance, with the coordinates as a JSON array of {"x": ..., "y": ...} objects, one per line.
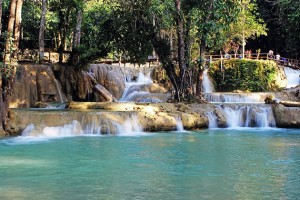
[{"x": 292, "y": 63}]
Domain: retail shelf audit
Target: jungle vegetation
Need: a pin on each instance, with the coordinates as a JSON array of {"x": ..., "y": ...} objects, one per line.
[{"x": 176, "y": 30}]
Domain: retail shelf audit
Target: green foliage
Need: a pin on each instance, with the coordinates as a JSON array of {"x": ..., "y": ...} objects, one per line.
[
  {"x": 283, "y": 21},
  {"x": 245, "y": 75},
  {"x": 7, "y": 71},
  {"x": 97, "y": 28},
  {"x": 132, "y": 29}
]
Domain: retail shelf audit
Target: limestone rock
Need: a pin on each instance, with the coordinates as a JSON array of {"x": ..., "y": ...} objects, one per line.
[
  {"x": 102, "y": 94},
  {"x": 110, "y": 77},
  {"x": 34, "y": 83},
  {"x": 287, "y": 116}
]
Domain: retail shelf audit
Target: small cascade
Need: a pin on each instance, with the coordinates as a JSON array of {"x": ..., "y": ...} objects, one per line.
[
  {"x": 139, "y": 91},
  {"x": 236, "y": 97},
  {"x": 248, "y": 116},
  {"x": 59, "y": 90},
  {"x": 212, "y": 120},
  {"x": 135, "y": 86},
  {"x": 179, "y": 125},
  {"x": 293, "y": 77},
  {"x": 92, "y": 124},
  {"x": 206, "y": 83}
]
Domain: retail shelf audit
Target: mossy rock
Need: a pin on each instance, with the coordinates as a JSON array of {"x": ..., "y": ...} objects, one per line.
[{"x": 247, "y": 75}]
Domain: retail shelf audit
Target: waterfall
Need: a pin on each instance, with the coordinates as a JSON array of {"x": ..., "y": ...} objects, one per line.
[
  {"x": 236, "y": 97},
  {"x": 212, "y": 120},
  {"x": 135, "y": 86},
  {"x": 206, "y": 83},
  {"x": 293, "y": 77},
  {"x": 59, "y": 90},
  {"x": 140, "y": 91},
  {"x": 95, "y": 124},
  {"x": 179, "y": 125},
  {"x": 248, "y": 116}
]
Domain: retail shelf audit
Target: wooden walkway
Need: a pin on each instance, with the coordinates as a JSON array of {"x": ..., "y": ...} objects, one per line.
[{"x": 292, "y": 63}]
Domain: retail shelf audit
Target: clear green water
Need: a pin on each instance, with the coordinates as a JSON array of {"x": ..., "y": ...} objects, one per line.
[{"x": 209, "y": 164}]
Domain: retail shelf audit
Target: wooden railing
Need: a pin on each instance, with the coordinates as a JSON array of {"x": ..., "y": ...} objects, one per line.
[{"x": 292, "y": 63}]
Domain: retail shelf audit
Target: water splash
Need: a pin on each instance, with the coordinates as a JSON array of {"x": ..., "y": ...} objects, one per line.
[
  {"x": 212, "y": 120},
  {"x": 135, "y": 86},
  {"x": 293, "y": 77},
  {"x": 249, "y": 116},
  {"x": 179, "y": 124},
  {"x": 236, "y": 97},
  {"x": 95, "y": 125}
]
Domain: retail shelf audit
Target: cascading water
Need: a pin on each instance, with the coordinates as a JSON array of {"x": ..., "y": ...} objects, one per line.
[
  {"x": 212, "y": 120},
  {"x": 92, "y": 124},
  {"x": 139, "y": 91},
  {"x": 179, "y": 125},
  {"x": 134, "y": 88},
  {"x": 236, "y": 97},
  {"x": 206, "y": 83},
  {"x": 293, "y": 77},
  {"x": 248, "y": 116},
  {"x": 59, "y": 90}
]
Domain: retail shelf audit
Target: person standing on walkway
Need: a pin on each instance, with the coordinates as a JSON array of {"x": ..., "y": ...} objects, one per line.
[
  {"x": 270, "y": 54},
  {"x": 277, "y": 57}
]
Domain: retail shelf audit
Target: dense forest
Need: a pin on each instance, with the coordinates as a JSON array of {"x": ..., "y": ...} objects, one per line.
[{"x": 172, "y": 30}]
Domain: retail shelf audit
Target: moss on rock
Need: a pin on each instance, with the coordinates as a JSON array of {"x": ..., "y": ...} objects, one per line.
[{"x": 247, "y": 75}]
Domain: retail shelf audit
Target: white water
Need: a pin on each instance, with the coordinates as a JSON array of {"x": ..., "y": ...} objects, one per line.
[
  {"x": 135, "y": 86},
  {"x": 249, "y": 116},
  {"x": 179, "y": 125},
  {"x": 212, "y": 120},
  {"x": 59, "y": 90},
  {"x": 293, "y": 77},
  {"x": 236, "y": 97},
  {"x": 130, "y": 127},
  {"x": 207, "y": 84}
]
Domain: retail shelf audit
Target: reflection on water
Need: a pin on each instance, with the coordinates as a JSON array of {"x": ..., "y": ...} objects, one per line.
[{"x": 208, "y": 164}]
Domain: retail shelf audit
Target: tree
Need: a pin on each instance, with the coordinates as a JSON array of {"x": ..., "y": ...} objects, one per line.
[
  {"x": 42, "y": 31},
  {"x": 1, "y": 8},
  {"x": 17, "y": 26},
  {"x": 282, "y": 19},
  {"x": 247, "y": 25},
  {"x": 9, "y": 39}
]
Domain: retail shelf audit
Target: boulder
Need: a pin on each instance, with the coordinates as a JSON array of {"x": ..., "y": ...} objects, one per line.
[
  {"x": 110, "y": 77},
  {"x": 286, "y": 116},
  {"x": 102, "y": 94},
  {"x": 35, "y": 83}
]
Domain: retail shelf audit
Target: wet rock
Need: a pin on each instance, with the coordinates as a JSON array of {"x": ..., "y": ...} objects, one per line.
[{"x": 287, "y": 116}]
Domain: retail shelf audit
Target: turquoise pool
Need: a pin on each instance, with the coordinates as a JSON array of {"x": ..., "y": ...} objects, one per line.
[{"x": 207, "y": 164}]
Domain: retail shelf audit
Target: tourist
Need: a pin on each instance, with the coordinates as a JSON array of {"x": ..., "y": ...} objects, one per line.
[
  {"x": 270, "y": 54},
  {"x": 277, "y": 57}
]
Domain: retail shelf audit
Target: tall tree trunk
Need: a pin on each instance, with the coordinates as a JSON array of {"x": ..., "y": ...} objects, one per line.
[
  {"x": 1, "y": 6},
  {"x": 187, "y": 41},
  {"x": 180, "y": 35},
  {"x": 61, "y": 35},
  {"x": 200, "y": 67},
  {"x": 17, "y": 26},
  {"x": 76, "y": 38},
  {"x": 77, "y": 31},
  {"x": 42, "y": 32},
  {"x": 2, "y": 110},
  {"x": 181, "y": 52},
  {"x": 10, "y": 28}
]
